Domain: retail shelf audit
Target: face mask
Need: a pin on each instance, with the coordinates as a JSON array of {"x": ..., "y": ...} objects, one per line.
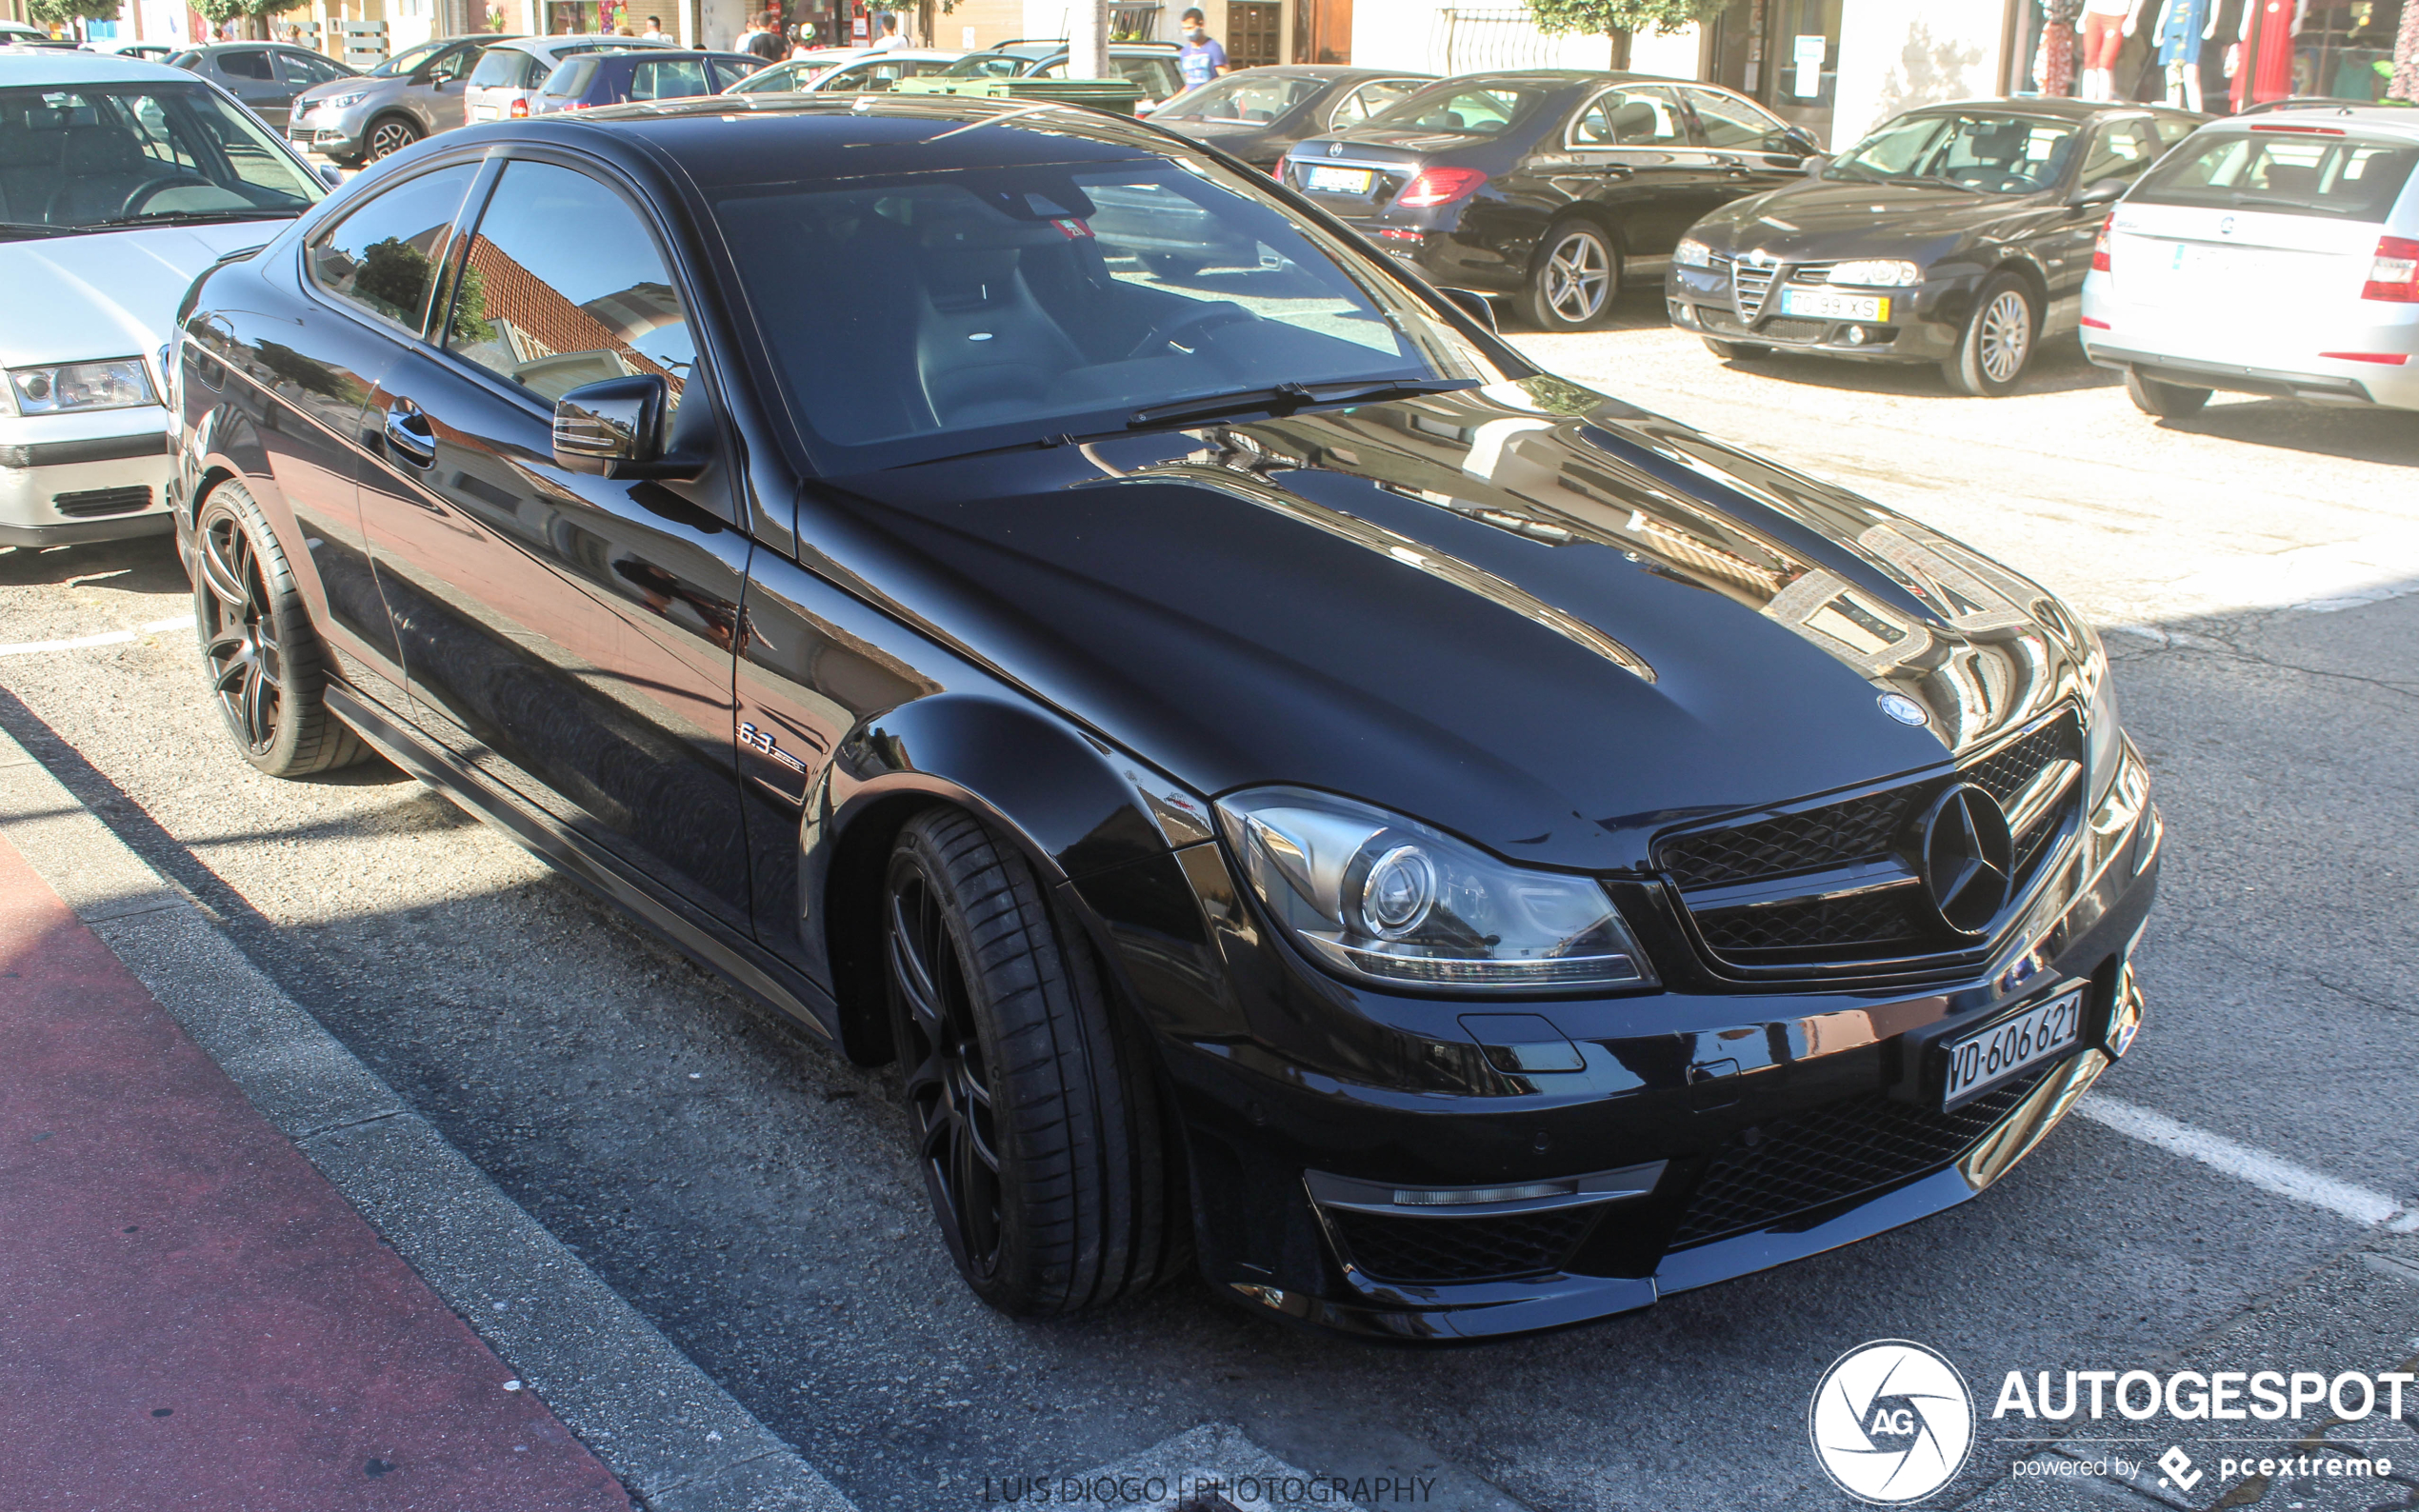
[{"x": 1196, "y": 35}]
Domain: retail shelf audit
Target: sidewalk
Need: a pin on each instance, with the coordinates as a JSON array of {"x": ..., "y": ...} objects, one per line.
[{"x": 190, "y": 1317}]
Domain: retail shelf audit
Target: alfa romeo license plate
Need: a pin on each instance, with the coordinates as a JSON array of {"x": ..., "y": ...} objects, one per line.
[
  {"x": 1980, "y": 1061},
  {"x": 1821, "y": 305},
  {"x": 1337, "y": 180}
]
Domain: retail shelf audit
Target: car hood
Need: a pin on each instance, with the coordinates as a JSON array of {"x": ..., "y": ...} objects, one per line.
[
  {"x": 320, "y": 92},
  {"x": 1823, "y": 219},
  {"x": 110, "y": 293},
  {"x": 1550, "y": 622}
]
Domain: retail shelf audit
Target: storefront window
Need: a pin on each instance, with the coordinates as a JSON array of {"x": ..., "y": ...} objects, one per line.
[
  {"x": 2221, "y": 55},
  {"x": 587, "y": 17}
]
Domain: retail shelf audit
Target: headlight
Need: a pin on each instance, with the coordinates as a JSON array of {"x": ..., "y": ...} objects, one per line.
[
  {"x": 1877, "y": 272},
  {"x": 119, "y": 384},
  {"x": 339, "y": 102},
  {"x": 1381, "y": 898},
  {"x": 2103, "y": 736},
  {"x": 1693, "y": 254}
]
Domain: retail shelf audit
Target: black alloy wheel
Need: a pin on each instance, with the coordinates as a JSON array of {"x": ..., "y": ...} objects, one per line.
[
  {"x": 1998, "y": 340},
  {"x": 1035, "y": 1113},
  {"x": 1735, "y": 351},
  {"x": 388, "y": 136},
  {"x": 1574, "y": 280},
  {"x": 2167, "y": 401},
  {"x": 267, "y": 667}
]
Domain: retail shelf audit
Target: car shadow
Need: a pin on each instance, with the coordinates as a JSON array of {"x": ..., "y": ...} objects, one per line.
[
  {"x": 144, "y": 564},
  {"x": 2353, "y": 433}
]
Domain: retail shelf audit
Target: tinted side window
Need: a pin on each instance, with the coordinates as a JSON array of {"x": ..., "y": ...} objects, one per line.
[
  {"x": 303, "y": 70},
  {"x": 670, "y": 79},
  {"x": 563, "y": 285},
  {"x": 385, "y": 256},
  {"x": 1634, "y": 117},
  {"x": 2120, "y": 150},
  {"x": 1370, "y": 98},
  {"x": 246, "y": 63},
  {"x": 1732, "y": 123}
]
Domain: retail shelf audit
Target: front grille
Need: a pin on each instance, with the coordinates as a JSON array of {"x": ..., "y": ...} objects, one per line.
[
  {"x": 1874, "y": 917},
  {"x": 93, "y": 502},
  {"x": 1438, "y": 1251},
  {"x": 1782, "y": 330},
  {"x": 1836, "y": 1152},
  {"x": 1829, "y": 836},
  {"x": 1751, "y": 284}
]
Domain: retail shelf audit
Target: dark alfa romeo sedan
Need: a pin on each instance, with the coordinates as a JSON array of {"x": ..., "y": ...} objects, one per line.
[
  {"x": 1297, "y": 791},
  {"x": 1957, "y": 234}
]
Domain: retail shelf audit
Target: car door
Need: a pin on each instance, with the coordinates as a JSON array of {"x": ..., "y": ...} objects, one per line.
[
  {"x": 1629, "y": 150},
  {"x": 569, "y": 637},
  {"x": 250, "y": 75},
  {"x": 1752, "y": 150},
  {"x": 439, "y": 102},
  {"x": 2064, "y": 236},
  {"x": 299, "y": 70}
]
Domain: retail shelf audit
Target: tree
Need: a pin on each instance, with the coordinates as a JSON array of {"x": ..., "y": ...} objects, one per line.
[
  {"x": 67, "y": 12},
  {"x": 1607, "y": 17},
  {"x": 254, "y": 11}
]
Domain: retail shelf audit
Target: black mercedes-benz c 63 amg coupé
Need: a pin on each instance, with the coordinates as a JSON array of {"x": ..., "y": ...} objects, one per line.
[{"x": 1297, "y": 790}]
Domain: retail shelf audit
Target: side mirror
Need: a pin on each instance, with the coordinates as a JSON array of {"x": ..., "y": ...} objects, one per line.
[
  {"x": 2099, "y": 191},
  {"x": 605, "y": 428},
  {"x": 332, "y": 175},
  {"x": 1473, "y": 304},
  {"x": 1800, "y": 139}
]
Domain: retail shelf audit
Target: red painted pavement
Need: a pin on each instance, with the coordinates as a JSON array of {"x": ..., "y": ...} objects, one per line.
[{"x": 190, "y": 1317}]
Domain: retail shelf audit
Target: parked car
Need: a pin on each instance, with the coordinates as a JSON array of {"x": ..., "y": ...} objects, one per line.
[
  {"x": 2267, "y": 256},
  {"x": 1152, "y": 65},
  {"x": 1280, "y": 774},
  {"x": 147, "y": 52},
  {"x": 120, "y": 180},
  {"x": 1256, "y": 113},
  {"x": 504, "y": 81},
  {"x": 1552, "y": 185},
  {"x": 19, "y": 34},
  {"x": 866, "y": 72},
  {"x": 591, "y": 80},
  {"x": 415, "y": 94},
  {"x": 267, "y": 76},
  {"x": 1956, "y": 235}
]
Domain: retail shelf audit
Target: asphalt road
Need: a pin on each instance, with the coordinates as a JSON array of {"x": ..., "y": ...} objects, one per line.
[{"x": 2256, "y": 571}]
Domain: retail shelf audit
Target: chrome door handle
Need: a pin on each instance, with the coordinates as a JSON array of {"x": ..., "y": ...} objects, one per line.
[{"x": 415, "y": 447}]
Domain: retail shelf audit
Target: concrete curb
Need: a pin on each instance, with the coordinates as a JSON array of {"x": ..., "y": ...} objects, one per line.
[{"x": 676, "y": 1441}]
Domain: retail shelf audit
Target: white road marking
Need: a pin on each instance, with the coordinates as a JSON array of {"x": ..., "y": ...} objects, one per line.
[
  {"x": 183, "y": 622},
  {"x": 2270, "y": 1173}
]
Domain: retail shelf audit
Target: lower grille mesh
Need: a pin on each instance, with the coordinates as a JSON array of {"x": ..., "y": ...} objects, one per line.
[
  {"x": 1441, "y": 1250},
  {"x": 1834, "y": 1152},
  {"x": 93, "y": 502}
]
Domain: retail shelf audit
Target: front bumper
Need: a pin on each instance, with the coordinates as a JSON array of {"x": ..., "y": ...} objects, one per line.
[
  {"x": 1701, "y": 1112},
  {"x": 1925, "y": 322},
  {"x": 67, "y": 479}
]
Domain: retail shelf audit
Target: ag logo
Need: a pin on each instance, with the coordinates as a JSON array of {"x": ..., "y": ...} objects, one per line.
[{"x": 1891, "y": 1422}]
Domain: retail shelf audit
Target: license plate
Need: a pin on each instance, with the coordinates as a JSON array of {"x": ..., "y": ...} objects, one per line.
[
  {"x": 483, "y": 113},
  {"x": 1981, "y": 1061},
  {"x": 1821, "y": 305},
  {"x": 1337, "y": 180}
]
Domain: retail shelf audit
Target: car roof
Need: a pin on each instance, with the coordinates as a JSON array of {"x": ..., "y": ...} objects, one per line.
[
  {"x": 2048, "y": 107},
  {"x": 24, "y": 66},
  {"x": 2394, "y": 121},
  {"x": 542, "y": 46}
]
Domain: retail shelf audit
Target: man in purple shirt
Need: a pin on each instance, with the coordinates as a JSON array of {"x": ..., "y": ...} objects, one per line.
[{"x": 1200, "y": 58}]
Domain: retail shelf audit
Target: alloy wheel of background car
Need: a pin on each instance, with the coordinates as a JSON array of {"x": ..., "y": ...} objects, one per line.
[
  {"x": 2167, "y": 401},
  {"x": 1997, "y": 344},
  {"x": 1735, "y": 351},
  {"x": 266, "y": 667},
  {"x": 1573, "y": 286},
  {"x": 389, "y": 135},
  {"x": 1037, "y": 1121}
]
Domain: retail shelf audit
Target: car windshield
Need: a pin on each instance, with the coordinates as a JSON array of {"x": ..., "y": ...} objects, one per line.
[
  {"x": 2283, "y": 170},
  {"x": 1982, "y": 151},
  {"x": 92, "y": 157},
  {"x": 1019, "y": 304},
  {"x": 1242, "y": 97},
  {"x": 1459, "y": 105},
  {"x": 409, "y": 60}
]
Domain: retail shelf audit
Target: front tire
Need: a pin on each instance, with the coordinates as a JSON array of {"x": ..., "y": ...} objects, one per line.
[
  {"x": 1574, "y": 281},
  {"x": 1998, "y": 342},
  {"x": 388, "y": 136},
  {"x": 2167, "y": 401},
  {"x": 268, "y": 669},
  {"x": 1036, "y": 1116}
]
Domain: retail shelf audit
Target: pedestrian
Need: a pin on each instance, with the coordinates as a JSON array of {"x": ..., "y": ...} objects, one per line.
[
  {"x": 765, "y": 42},
  {"x": 1200, "y": 58},
  {"x": 654, "y": 31},
  {"x": 890, "y": 38},
  {"x": 802, "y": 39}
]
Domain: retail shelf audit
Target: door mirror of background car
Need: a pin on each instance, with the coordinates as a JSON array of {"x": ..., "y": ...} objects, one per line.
[
  {"x": 333, "y": 177},
  {"x": 1472, "y": 304},
  {"x": 600, "y": 428},
  {"x": 1794, "y": 139},
  {"x": 2099, "y": 191}
]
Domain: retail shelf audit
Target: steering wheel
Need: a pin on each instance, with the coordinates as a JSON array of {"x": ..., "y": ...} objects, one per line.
[
  {"x": 142, "y": 193},
  {"x": 1216, "y": 312}
]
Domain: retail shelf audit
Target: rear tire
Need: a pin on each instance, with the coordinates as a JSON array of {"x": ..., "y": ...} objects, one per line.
[
  {"x": 1998, "y": 342},
  {"x": 1735, "y": 351},
  {"x": 1038, "y": 1119},
  {"x": 2167, "y": 401},
  {"x": 1574, "y": 280},
  {"x": 268, "y": 669}
]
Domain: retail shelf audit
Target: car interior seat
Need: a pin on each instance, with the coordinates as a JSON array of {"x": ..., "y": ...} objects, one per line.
[
  {"x": 1634, "y": 122},
  {"x": 986, "y": 350}
]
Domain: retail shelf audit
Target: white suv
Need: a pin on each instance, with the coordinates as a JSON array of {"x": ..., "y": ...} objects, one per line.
[{"x": 2272, "y": 253}]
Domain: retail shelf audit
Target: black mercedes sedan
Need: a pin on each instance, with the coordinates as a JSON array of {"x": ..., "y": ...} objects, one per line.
[
  {"x": 1255, "y": 114},
  {"x": 1299, "y": 793},
  {"x": 1956, "y": 235},
  {"x": 1549, "y": 186}
]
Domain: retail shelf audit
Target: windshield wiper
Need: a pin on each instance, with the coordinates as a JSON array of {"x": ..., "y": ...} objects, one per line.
[
  {"x": 252, "y": 213},
  {"x": 1284, "y": 399},
  {"x": 36, "y": 229}
]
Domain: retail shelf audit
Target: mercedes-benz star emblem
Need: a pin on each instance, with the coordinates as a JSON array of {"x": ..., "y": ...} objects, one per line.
[
  {"x": 2226, "y": 227},
  {"x": 1968, "y": 858},
  {"x": 1335, "y": 149},
  {"x": 1904, "y": 709}
]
